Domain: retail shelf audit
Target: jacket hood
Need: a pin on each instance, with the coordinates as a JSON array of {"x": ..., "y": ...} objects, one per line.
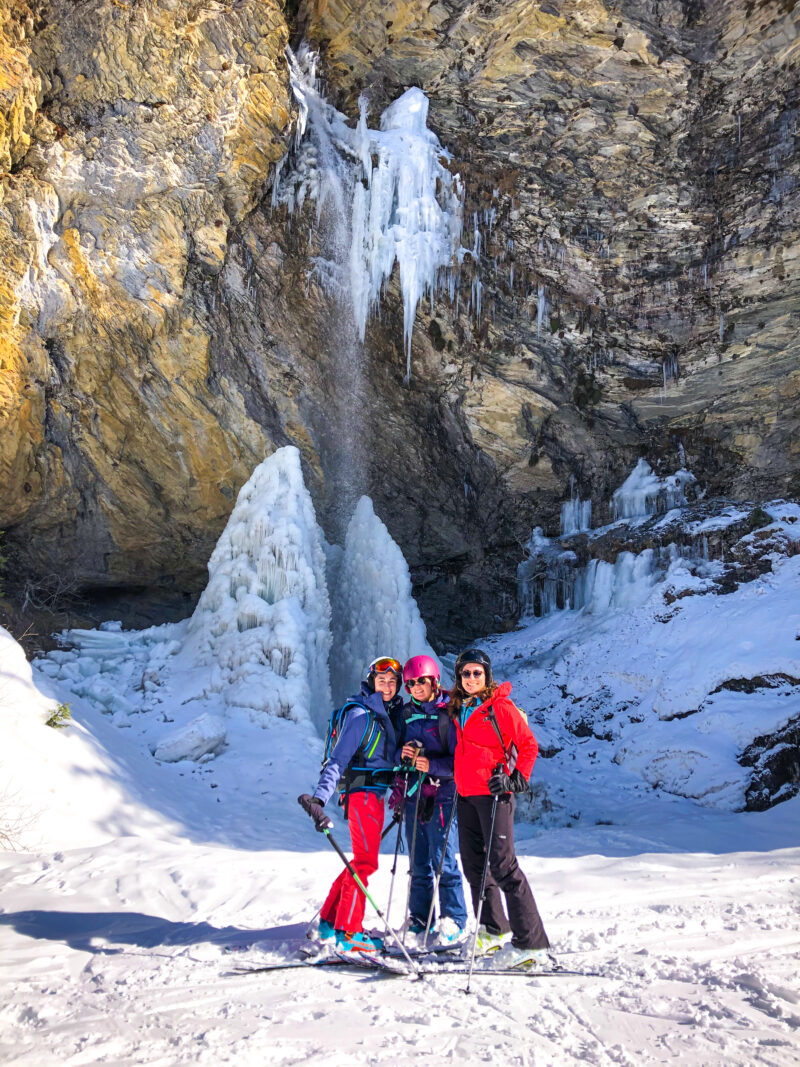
[{"x": 374, "y": 701}]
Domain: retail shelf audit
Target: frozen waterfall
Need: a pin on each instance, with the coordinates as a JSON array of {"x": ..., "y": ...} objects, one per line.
[
  {"x": 394, "y": 196},
  {"x": 265, "y": 636}
]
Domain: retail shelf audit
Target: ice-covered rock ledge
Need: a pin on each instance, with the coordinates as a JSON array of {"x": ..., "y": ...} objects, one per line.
[{"x": 696, "y": 695}]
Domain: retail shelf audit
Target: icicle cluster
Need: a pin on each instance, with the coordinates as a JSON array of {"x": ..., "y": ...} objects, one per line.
[
  {"x": 401, "y": 203},
  {"x": 576, "y": 514},
  {"x": 643, "y": 493},
  {"x": 549, "y": 579}
]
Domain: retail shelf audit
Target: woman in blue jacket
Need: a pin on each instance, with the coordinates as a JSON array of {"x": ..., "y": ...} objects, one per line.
[
  {"x": 360, "y": 768},
  {"x": 427, "y": 742}
]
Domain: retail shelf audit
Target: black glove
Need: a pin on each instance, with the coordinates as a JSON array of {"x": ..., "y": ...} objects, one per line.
[
  {"x": 501, "y": 783},
  {"x": 427, "y": 806},
  {"x": 313, "y": 806}
]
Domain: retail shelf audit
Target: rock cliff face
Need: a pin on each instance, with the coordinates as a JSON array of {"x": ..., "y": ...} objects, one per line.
[
  {"x": 137, "y": 138},
  {"x": 631, "y": 176}
]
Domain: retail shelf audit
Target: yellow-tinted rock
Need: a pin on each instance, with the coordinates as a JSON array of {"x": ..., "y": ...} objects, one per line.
[{"x": 163, "y": 123}]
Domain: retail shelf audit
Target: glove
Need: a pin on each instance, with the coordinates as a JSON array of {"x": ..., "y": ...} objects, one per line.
[
  {"x": 501, "y": 783},
  {"x": 398, "y": 795},
  {"x": 313, "y": 806},
  {"x": 427, "y": 806}
]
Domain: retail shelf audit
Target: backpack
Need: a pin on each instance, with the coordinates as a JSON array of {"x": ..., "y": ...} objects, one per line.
[
  {"x": 355, "y": 775},
  {"x": 335, "y": 723}
]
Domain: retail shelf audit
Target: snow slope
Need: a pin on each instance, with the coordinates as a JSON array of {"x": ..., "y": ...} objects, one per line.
[
  {"x": 115, "y": 953},
  {"x": 140, "y": 873}
]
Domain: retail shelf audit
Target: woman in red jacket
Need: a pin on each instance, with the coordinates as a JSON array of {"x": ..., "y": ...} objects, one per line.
[{"x": 494, "y": 757}]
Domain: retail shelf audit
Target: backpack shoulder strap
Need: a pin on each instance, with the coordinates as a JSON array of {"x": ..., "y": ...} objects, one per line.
[
  {"x": 335, "y": 723},
  {"x": 490, "y": 715},
  {"x": 444, "y": 727},
  {"x": 511, "y": 752}
]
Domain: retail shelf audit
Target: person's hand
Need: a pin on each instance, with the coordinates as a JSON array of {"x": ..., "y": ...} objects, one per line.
[
  {"x": 313, "y": 806},
  {"x": 501, "y": 783},
  {"x": 413, "y": 753}
]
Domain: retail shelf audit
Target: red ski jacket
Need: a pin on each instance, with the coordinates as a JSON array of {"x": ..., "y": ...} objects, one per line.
[{"x": 478, "y": 750}]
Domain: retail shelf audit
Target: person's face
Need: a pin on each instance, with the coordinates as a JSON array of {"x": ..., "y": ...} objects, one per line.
[
  {"x": 473, "y": 678},
  {"x": 386, "y": 685},
  {"x": 421, "y": 690}
]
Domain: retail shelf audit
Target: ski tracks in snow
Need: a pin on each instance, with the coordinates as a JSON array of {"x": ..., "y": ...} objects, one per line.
[{"x": 118, "y": 956}]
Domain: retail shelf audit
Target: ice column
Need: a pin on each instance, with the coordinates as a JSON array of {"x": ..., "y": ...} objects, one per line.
[
  {"x": 261, "y": 628},
  {"x": 374, "y": 613}
]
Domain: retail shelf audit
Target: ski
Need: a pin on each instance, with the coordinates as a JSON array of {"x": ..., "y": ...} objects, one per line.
[
  {"x": 513, "y": 972},
  {"x": 448, "y": 966},
  {"x": 372, "y": 961},
  {"x": 376, "y": 965},
  {"x": 379, "y": 969},
  {"x": 431, "y": 950},
  {"x": 287, "y": 965}
]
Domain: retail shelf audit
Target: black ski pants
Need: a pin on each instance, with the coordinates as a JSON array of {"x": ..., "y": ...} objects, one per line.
[{"x": 474, "y": 819}]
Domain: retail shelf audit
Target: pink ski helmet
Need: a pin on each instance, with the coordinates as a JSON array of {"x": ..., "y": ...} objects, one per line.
[{"x": 421, "y": 667}]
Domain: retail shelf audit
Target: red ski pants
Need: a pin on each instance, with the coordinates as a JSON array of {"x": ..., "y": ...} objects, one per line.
[{"x": 345, "y": 903}]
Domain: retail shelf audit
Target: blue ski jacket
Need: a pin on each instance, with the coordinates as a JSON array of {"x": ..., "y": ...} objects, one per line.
[
  {"x": 379, "y": 746},
  {"x": 421, "y": 723}
]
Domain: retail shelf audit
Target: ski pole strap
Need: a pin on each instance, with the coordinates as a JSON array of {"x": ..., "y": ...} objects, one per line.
[
  {"x": 509, "y": 753},
  {"x": 397, "y": 817}
]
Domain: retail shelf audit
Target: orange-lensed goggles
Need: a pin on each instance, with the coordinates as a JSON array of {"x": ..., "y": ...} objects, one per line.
[{"x": 386, "y": 663}]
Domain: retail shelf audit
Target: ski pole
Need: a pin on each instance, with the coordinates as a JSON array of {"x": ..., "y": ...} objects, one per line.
[
  {"x": 397, "y": 817},
  {"x": 400, "y": 809},
  {"x": 411, "y": 850},
  {"x": 438, "y": 877},
  {"x": 483, "y": 885},
  {"x": 363, "y": 888}
]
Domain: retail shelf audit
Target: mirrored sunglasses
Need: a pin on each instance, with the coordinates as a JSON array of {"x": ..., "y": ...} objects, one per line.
[{"x": 473, "y": 674}]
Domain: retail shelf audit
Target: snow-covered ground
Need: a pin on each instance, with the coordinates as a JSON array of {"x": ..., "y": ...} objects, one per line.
[{"x": 141, "y": 871}]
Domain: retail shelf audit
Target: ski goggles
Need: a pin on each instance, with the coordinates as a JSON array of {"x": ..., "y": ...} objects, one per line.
[{"x": 385, "y": 663}]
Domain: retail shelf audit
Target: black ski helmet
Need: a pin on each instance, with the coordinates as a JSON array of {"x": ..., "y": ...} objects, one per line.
[{"x": 475, "y": 655}]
